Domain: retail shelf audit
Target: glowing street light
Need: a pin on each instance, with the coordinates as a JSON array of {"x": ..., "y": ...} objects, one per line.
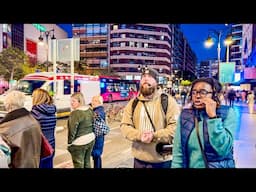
[
  {"x": 209, "y": 43},
  {"x": 228, "y": 41}
]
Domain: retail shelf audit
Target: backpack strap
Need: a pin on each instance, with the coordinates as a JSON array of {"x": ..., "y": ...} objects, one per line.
[
  {"x": 134, "y": 104},
  {"x": 164, "y": 102}
]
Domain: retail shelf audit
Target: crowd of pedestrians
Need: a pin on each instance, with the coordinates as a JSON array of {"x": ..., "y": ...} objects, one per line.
[{"x": 199, "y": 134}]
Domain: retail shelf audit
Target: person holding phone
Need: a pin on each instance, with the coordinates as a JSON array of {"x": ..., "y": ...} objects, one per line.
[{"x": 204, "y": 136}]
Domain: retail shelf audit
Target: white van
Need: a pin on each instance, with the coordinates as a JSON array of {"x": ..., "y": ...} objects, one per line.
[{"x": 88, "y": 85}]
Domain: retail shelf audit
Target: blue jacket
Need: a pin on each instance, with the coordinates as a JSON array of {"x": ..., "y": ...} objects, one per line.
[
  {"x": 217, "y": 137},
  {"x": 45, "y": 114},
  {"x": 100, "y": 111}
]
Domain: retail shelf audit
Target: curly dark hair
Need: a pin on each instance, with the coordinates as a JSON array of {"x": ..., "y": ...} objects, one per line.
[{"x": 216, "y": 87}]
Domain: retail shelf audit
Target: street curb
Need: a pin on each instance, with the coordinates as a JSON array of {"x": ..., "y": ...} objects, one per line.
[{"x": 59, "y": 128}]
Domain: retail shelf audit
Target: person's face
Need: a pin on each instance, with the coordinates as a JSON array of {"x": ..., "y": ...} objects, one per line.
[
  {"x": 95, "y": 102},
  {"x": 74, "y": 103},
  {"x": 200, "y": 91},
  {"x": 148, "y": 85}
]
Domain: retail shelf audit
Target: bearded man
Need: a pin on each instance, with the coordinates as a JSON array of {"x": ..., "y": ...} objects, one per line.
[{"x": 147, "y": 124}]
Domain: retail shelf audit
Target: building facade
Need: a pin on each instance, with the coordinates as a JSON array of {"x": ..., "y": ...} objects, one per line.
[
  {"x": 93, "y": 45},
  {"x": 25, "y": 37}
]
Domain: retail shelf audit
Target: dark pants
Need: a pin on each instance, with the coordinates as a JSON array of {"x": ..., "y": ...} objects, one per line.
[
  {"x": 97, "y": 151},
  {"x": 142, "y": 164}
]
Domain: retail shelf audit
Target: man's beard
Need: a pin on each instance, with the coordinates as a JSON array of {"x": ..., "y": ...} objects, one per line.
[{"x": 147, "y": 89}]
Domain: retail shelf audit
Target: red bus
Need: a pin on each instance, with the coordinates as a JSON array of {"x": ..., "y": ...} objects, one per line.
[{"x": 116, "y": 89}]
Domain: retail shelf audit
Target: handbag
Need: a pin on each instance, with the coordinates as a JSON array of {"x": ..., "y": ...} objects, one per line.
[
  {"x": 46, "y": 148},
  {"x": 162, "y": 148},
  {"x": 99, "y": 126}
]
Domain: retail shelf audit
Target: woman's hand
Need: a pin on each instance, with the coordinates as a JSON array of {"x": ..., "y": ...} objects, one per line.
[{"x": 210, "y": 106}]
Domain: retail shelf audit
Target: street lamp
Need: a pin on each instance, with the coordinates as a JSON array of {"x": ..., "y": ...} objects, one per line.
[
  {"x": 209, "y": 42},
  {"x": 228, "y": 41},
  {"x": 41, "y": 39}
]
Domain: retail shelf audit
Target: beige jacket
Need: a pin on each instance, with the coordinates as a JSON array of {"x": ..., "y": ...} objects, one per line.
[{"x": 132, "y": 127}]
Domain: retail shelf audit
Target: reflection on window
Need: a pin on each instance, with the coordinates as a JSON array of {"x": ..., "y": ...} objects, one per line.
[
  {"x": 67, "y": 87},
  {"x": 28, "y": 86},
  {"x": 77, "y": 86}
]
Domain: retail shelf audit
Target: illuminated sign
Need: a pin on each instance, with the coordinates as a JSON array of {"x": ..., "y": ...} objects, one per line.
[
  {"x": 227, "y": 72},
  {"x": 39, "y": 27},
  {"x": 250, "y": 73},
  {"x": 237, "y": 77}
]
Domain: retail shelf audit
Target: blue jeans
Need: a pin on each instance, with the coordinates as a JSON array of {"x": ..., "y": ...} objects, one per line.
[{"x": 97, "y": 151}]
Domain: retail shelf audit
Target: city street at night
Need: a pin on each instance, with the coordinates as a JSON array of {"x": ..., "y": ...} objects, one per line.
[{"x": 117, "y": 151}]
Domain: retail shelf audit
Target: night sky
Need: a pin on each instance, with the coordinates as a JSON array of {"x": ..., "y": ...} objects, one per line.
[{"x": 196, "y": 34}]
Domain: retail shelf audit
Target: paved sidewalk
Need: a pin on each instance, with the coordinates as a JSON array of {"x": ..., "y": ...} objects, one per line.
[
  {"x": 244, "y": 144},
  {"x": 245, "y": 140}
]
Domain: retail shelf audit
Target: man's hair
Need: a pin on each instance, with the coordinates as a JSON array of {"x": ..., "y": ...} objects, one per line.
[{"x": 152, "y": 72}]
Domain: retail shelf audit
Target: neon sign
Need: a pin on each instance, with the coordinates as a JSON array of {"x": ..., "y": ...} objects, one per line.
[{"x": 39, "y": 27}]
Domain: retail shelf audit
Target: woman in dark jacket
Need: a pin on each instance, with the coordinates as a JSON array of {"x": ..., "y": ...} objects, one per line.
[
  {"x": 45, "y": 112},
  {"x": 80, "y": 132},
  {"x": 21, "y": 132},
  {"x": 97, "y": 104}
]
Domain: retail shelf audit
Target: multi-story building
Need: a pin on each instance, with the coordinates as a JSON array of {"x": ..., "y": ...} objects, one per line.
[
  {"x": 93, "y": 44},
  {"x": 138, "y": 45},
  {"x": 184, "y": 59},
  {"x": 32, "y": 32},
  {"x": 11, "y": 35},
  {"x": 125, "y": 48},
  {"x": 204, "y": 69},
  {"x": 236, "y": 46},
  {"x": 25, "y": 37}
]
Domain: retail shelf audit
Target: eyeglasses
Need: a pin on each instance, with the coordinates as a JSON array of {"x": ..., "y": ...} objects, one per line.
[{"x": 202, "y": 92}]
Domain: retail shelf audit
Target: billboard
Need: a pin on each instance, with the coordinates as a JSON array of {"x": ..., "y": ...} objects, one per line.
[
  {"x": 227, "y": 72},
  {"x": 67, "y": 50},
  {"x": 249, "y": 73},
  {"x": 31, "y": 50}
]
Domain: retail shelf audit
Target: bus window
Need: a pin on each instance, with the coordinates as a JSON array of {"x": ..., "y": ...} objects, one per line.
[
  {"x": 118, "y": 89},
  {"x": 67, "y": 88},
  {"x": 103, "y": 87},
  {"x": 77, "y": 86},
  {"x": 28, "y": 86},
  {"x": 49, "y": 88}
]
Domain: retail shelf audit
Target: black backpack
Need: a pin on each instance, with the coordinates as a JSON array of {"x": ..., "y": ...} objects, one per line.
[{"x": 164, "y": 103}]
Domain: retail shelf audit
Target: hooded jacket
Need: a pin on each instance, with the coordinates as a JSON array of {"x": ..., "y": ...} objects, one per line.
[{"x": 46, "y": 116}]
